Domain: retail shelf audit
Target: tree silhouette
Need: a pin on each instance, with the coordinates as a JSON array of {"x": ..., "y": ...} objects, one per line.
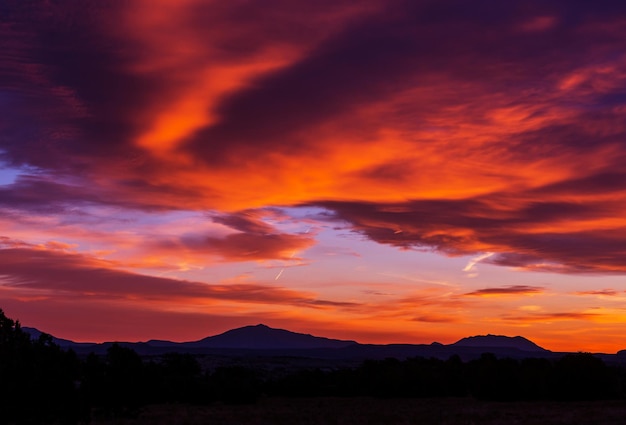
[
  {"x": 36, "y": 373},
  {"x": 235, "y": 385},
  {"x": 582, "y": 376}
]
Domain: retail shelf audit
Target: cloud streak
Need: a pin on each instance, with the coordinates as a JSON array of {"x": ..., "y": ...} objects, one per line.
[
  {"x": 601, "y": 292},
  {"x": 51, "y": 272},
  {"x": 552, "y": 317},
  {"x": 507, "y": 290}
]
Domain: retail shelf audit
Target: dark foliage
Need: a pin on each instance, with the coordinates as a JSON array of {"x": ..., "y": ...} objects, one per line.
[
  {"x": 38, "y": 380},
  {"x": 573, "y": 377},
  {"x": 235, "y": 385}
]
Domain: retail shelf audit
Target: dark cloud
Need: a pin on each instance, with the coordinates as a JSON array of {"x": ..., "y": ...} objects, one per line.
[
  {"x": 399, "y": 48},
  {"x": 519, "y": 233},
  {"x": 340, "y": 304},
  {"x": 53, "y": 273},
  {"x": 40, "y": 194},
  {"x": 80, "y": 90},
  {"x": 45, "y": 194},
  {"x": 508, "y": 290},
  {"x": 435, "y": 318},
  {"x": 255, "y": 239},
  {"x": 607, "y": 182},
  {"x": 245, "y": 221},
  {"x": 351, "y": 68},
  {"x": 253, "y": 246},
  {"x": 71, "y": 102},
  {"x": 591, "y": 252}
]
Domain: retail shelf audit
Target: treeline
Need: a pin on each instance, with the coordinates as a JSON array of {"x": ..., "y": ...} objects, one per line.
[
  {"x": 41, "y": 383},
  {"x": 573, "y": 377},
  {"x": 37, "y": 378}
]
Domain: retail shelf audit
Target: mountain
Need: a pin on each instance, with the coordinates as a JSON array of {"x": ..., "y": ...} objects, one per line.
[
  {"x": 63, "y": 343},
  {"x": 499, "y": 341},
  {"x": 262, "y": 337},
  {"x": 265, "y": 342}
]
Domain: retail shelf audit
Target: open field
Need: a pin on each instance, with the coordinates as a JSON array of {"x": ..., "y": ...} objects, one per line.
[{"x": 360, "y": 411}]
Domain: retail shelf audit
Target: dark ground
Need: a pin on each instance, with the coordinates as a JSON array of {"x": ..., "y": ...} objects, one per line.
[{"x": 362, "y": 411}]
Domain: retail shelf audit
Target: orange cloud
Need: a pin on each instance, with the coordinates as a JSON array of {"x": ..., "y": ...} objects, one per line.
[
  {"x": 556, "y": 316},
  {"x": 203, "y": 59},
  {"x": 607, "y": 292},
  {"x": 507, "y": 290},
  {"x": 294, "y": 107}
]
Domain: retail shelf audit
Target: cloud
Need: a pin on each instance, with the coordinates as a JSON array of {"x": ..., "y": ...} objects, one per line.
[
  {"x": 50, "y": 272},
  {"x": 169, "y": 137},
  {"x": 605, "y": 292},
  {"x": 551, "y": 317},
  {"x": 441, "y": 298},
  {"x": 39, "y": 194},
  {"x": 472, "y": 263},
  {"x": 434, "y": 318},
  {"x": 249, "y": 221},
  {"x": 246, "y": 247},
  {"x": 63, "y": 195},
  {"x": 450, "y": 127},
  {"x": 507, "y": 290},
  {"x": 254, "y": 239},
  {"x": 521, "y": 231},
  {"x": 161, "y": 97}
]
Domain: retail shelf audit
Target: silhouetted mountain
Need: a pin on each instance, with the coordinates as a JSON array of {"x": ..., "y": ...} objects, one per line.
[
  {"x": 262, "y": 337},
  {"x": 162, "y": 343},
  {"x": 264, "y": 342},
  {"x": 64, "y": 343},
  {"x": 498, "y": 341}
]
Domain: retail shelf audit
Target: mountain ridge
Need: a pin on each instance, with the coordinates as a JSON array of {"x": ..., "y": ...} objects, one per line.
[
  {"x": 266, "y": 340},
  {"x": 489, "y": 340},
  {"x": 264, "y": 337},
  {"x": 262, "y": 341},
  {"x": 64, "y": 343}
]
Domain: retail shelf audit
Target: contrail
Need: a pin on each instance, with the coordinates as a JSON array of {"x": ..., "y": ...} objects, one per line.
[
  {"x": 472, "y": 263},
  {"x": 290, "y": 257}
]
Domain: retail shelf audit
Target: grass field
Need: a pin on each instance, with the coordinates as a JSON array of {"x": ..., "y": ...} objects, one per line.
[{"x": 361, "y": 411}]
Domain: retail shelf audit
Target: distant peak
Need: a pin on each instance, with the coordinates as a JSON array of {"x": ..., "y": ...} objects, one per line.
[
  {"x": 491, "y": 340},
  {"x": 261, "y": 336}
]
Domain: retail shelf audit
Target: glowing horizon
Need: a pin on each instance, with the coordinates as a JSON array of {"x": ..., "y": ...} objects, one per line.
[{"x": 405, "y": 171}]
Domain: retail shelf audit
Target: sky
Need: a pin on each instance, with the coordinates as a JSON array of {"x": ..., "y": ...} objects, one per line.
[{"x": 377, "y": 170}]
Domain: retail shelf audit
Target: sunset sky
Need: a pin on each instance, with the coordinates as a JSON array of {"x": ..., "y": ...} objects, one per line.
[{"x": 378, "y": 170}]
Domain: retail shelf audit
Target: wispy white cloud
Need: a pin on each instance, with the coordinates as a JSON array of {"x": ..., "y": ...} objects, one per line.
[{"x": 471, "y": 265}]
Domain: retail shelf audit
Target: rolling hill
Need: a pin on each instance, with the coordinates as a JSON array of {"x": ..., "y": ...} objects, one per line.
[{"x": 262, "y": 340}]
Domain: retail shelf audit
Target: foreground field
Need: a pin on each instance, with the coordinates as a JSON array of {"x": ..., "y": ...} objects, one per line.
[{"x": 360, "y": 411}]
